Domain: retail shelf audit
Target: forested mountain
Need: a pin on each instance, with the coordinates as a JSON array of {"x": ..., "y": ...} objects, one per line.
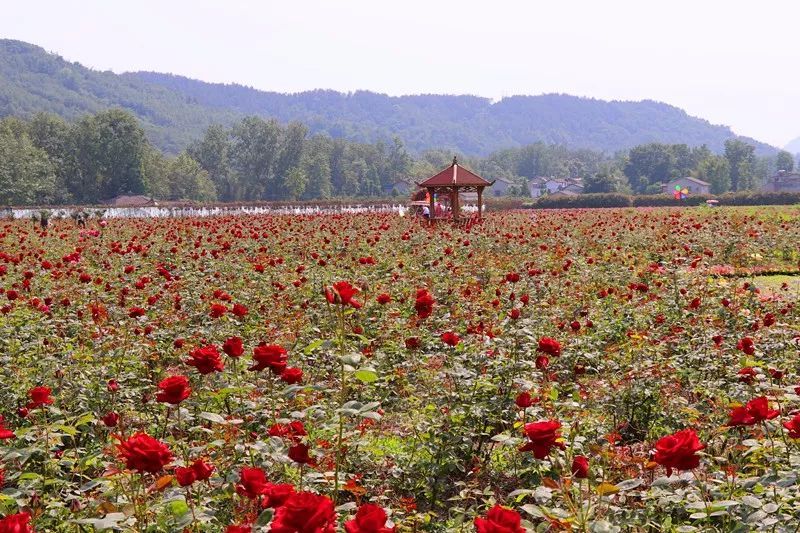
[{"x": 174, "y": 110}]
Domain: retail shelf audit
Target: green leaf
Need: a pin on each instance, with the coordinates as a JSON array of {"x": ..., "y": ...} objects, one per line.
[
  {"x": 213, "y": 417},
  {"x": 366, "y": 375}
]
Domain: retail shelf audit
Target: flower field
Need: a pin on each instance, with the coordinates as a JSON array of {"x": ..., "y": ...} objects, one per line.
[{"x": 599, "y": 370}]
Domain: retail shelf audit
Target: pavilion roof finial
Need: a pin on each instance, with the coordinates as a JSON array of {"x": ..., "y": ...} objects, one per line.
[{"x": 455, "y": 160}]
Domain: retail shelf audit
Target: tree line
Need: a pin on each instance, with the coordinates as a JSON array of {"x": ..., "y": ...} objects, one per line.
[{"x": 46, "y": 160}]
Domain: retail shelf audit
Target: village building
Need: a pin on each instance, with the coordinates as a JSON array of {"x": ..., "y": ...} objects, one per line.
[{"x": 783, "y": 181}]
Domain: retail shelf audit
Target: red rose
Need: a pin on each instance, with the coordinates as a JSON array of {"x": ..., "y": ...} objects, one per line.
[
  {"x": 678, "y": 451},
  {"x": 542, "y": 362},
  {"x": 450, "y": 338},
  {"x": 239, "y": 310},
  {"x": 39, "y": 396},
  {"x": 252, "y": 482},
  {"x": 383, "y": 298},
  {"x": 111, "y": 419},
  {"x": 202, "y": 470},
  {"x": 16, "y": 523},
  {"x": 135, "y": 312},
  {"x": 370, "y": 518},
  {"x": 514, "y": 314},
  {"x": 276, "y": 495},
  {"x": 206, "y": 359},
  {"x": 424, "y": 303},
  {"x": 185, "y": 476},
  {"x": 412, "y": 343},
  {"x": 755, "y": 411},
  {"x": 549, "y": 346},
  {"x": 793, "y": 426},
  {"x": 217, "y": 310},
  {"x": 747, "y": 345},
  {"x": 269, "y": 355},
  {"x": 747, "y": 374},
  {"x": 239, "y": 529},
  {"x": 500, "y": 520},
  {"x": 292, "y": 375},
  {"x": 299, "y": 454},
  {"x": 305, "y": 512},
  {"x": 580, "y": 467},
  {"x": 143, "y": 453},
  {"x": 542, "y": 437},
  {"x": 5, "y": 433},
  {"x": 524, "y": 400},
  {"x": 342, "y": 293},
  {"x": 233, "y": 347},
  {"x": 174, "y": 390}
]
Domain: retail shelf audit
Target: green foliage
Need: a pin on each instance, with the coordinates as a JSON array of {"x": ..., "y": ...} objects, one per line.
[
  {"x": 742, "y": 160},
  {"x": 785, "y": 161},
  {"x": 662, "y": 200}
]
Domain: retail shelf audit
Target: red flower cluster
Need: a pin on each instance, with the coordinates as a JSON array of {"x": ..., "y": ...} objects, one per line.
[
  {"x": 450, "y": 338},
  {"x": 305, "y": 512},
  {"x": 40, "y": 396},
  {"x": 5, "y": 433},
  {"x": 16, "y": 523},
  {"x": 549, "y": 346},
  {"x": 197, "y": 471}
]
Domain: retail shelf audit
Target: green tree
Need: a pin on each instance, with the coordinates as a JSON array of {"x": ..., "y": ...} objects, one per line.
[
  {"x": 742, "y": 160},
  {"x": 604, "y": 181},
  {"x": 785, "y": 161},
  {"x": 316, "y": 166},
  {"x": 213, "y": 152},
  {"x": 289, "y": 179},
  {"x": 254, "y": 150},
  {"x": 27, "y": 176},
  {"x": 715, "y": 170},
  {"x": 649, "y": 165},
  {"x": 186, "y": 180}
]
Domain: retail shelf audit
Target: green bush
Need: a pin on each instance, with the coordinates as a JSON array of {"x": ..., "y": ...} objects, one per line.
[{"x": 583, "y": 201}]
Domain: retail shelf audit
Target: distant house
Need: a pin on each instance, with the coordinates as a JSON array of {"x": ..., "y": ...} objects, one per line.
[
  {"x": 543, "y": 185},
  {"x": 501, "y": 186},
  {"x": 136, "y": 200},
  {"x": 693, "y": 185},
  {"x": 783, "y": 181}
]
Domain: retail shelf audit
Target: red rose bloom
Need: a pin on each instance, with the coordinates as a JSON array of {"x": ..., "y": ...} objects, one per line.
[
  {"x": 174, "y": 390},
  {"x": 276, "y": 495},
  {"x": 383, "y": 298},
  {"x": 239, "y": 529},
  {"x": 755, "y": 411},
  {"x": 143, "y": 453},
  {"x": 185, "y": 476},
  {"x": 16, "y": 523},
  {"x": 678, "y": 451},
  {"x": 793, "y": 426},
  {"x": 206, "y": 359},
  {"x": 305, "y": 512},
  {"x": 524, "y": 400},
  {"x": 412, "y": 343},
  {"x": 549, "y": 346},
  {"x": 39, "y": 396},
  {"x": 239, "y": 310},
  {"x": 542, "y": 437},
  {"x": 269, "y": 356},
  {"x": 299, "y": 454},
  {"x": 747, "y": 345},
  {"x": 292, "y": 375},
  {"x": 202, "y": 470},
  {"x": 450, "y": 338},
  {"x": 217, "y": 310},
  {"x": 135, "y": 312},
  {"x": 111, "y": 419},
  {"x": 5, "y": 433},
  {"x": 370, "y": 518},
  {"x": 233, "y": 347},
  {"x": 747, "y": 374},
  {"x": 580, "y": 467},
  {"x": 500, "y": 520},
  {"x": 424, "y": 303},
  {"x": 252, "y": 482},
  {"x": 342, "y": 293}
]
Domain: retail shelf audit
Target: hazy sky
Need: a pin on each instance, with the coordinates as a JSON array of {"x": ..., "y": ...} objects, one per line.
[{"x": 731, "y": 62}]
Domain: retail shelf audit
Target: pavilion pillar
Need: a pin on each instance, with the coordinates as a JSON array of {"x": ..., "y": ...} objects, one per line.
[
  {"x": 480, "y": 202},
  {"x": 431, "y": 210}
]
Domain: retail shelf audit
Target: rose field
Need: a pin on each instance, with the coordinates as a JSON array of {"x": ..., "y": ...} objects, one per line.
[{"x": 566, "y": 370}]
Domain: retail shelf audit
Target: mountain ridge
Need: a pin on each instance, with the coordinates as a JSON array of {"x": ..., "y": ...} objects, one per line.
[{"x": 175, "y": 110}]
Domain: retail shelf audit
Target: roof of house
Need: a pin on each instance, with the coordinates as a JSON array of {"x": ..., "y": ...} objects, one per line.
[
  {"x": 692, "y": 179},
  {"x": 455, "y": 175},
  {"x": 782, "y": 174},
  {"x": 136, "y": 200}
]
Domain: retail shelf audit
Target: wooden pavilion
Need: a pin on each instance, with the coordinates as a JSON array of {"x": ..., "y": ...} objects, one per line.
[{"x": 449, "y": 183}]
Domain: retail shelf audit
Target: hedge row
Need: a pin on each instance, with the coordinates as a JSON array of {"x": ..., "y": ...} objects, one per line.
[{"x": 659, "y": 200}]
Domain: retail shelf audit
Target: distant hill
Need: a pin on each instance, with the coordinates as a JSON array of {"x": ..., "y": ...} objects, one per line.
[
  {"x": 793, "y": 146},
  {"x": 175, "y": 110}
]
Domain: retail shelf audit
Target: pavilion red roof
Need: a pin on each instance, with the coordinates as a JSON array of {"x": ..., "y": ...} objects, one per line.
[{"x": 455, "y": 175}]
